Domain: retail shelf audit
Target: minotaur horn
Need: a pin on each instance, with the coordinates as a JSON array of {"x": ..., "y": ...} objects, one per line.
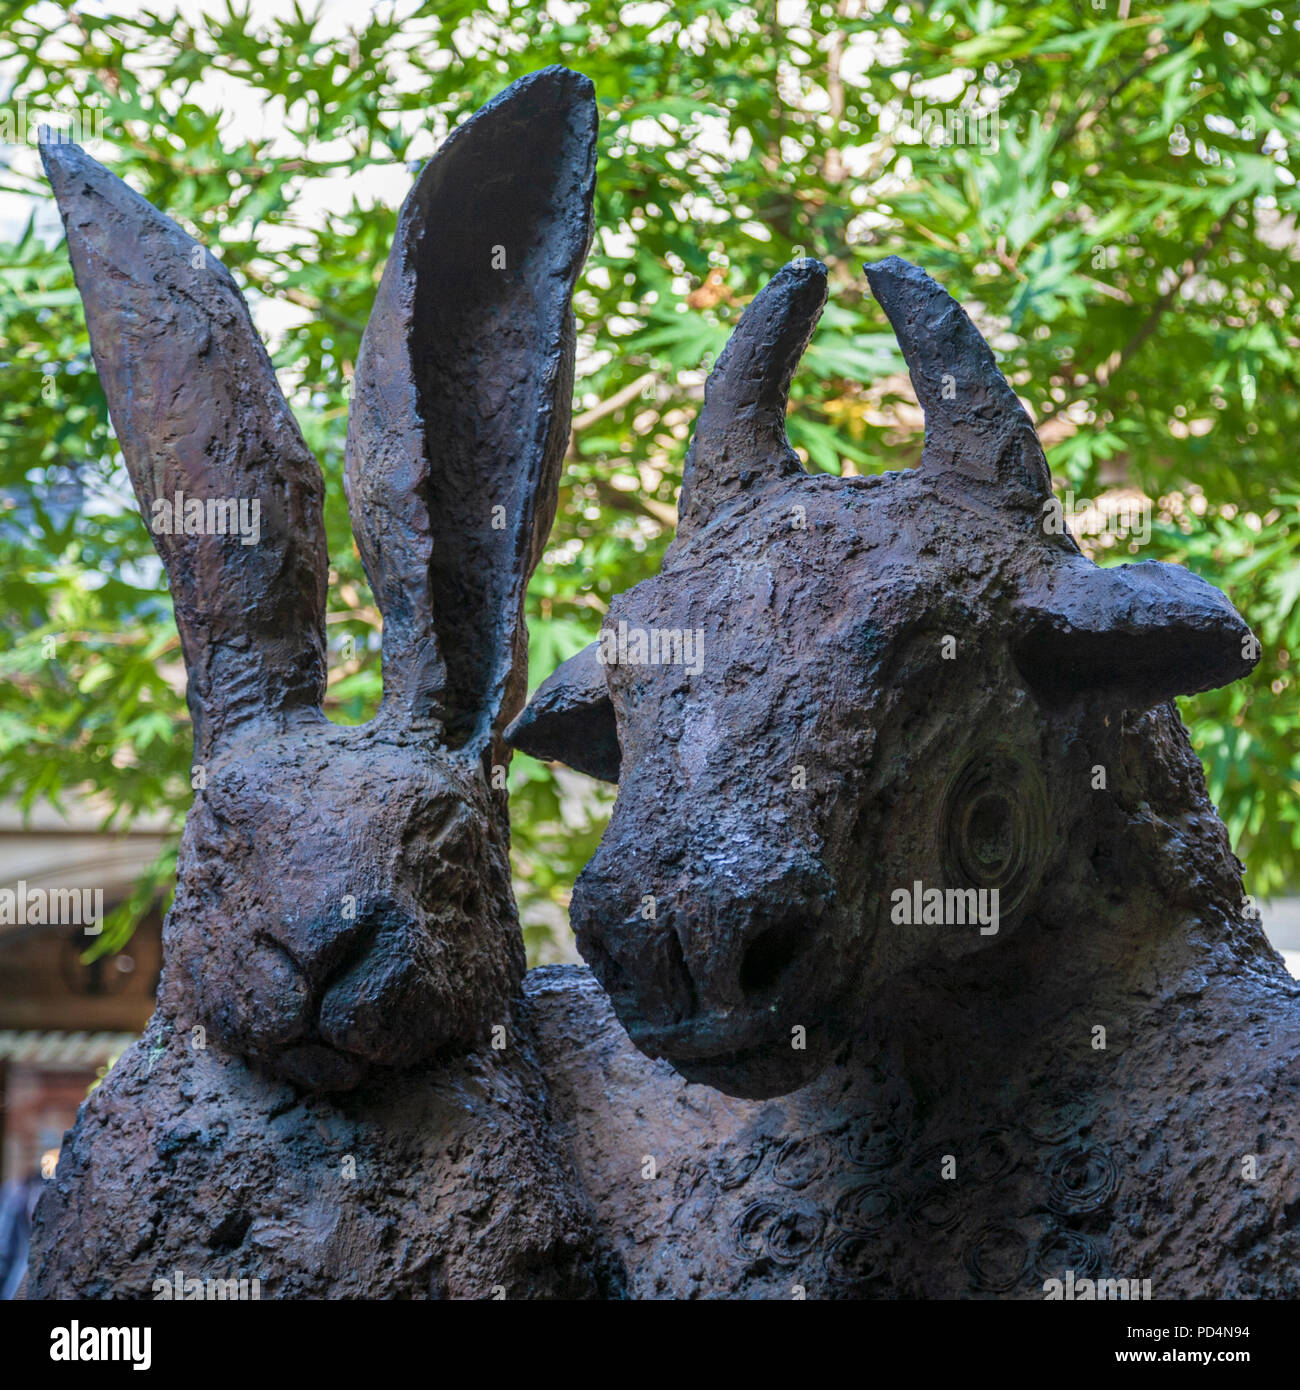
[
  {"x": 740, "y": 436},
  {"x": 975, "y": 426},
  {"x": 740, "y": 439}
]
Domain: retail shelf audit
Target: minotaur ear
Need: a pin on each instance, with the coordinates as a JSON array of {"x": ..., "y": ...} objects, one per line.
[
  {"x": 1140, "y": 633},
  {"x": 977, "y": 433},
  {"x": 231, "y": 494},
  {"x": 570, "y": 719},
  {"x": 740, "y": 435},
  {"x": 462, "y": 397}
]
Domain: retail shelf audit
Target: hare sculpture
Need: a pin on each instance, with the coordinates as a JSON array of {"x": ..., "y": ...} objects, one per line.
[{"x": 318, "y": 1100}]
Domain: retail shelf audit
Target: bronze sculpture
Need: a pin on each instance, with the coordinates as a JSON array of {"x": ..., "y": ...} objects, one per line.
[
  {"x": 913, "y": 690},
  {"x": 343, "y": 910},
  {"x": 904, "y": 684}
]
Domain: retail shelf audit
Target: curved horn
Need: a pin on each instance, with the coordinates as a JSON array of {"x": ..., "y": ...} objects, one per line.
[
  {"x": 975, "y": 425},
  {"x": 740, "y": 435}
]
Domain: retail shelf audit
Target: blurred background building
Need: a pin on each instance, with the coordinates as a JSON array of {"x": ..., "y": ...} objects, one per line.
[{"x": 62, "y": 1021}]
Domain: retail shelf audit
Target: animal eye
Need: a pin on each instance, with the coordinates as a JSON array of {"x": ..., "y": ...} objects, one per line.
[{"x": 993, "y": 826}]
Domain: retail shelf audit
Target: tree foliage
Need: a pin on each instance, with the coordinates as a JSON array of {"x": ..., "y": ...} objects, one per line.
[{"x": 1108, "y": 186}]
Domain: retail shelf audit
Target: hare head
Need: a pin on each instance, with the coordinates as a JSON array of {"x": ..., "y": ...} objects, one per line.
[
  {"x": 899, "y": 685},
  {"x": 343, "y": 898}
]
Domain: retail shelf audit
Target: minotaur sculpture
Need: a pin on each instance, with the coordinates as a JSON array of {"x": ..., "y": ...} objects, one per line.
[
  {"x": 912, "y": 697},
  {"x": 350, "y": 1088}
]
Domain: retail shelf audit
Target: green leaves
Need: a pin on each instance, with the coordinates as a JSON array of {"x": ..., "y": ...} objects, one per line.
[{"x": 1126, "y": 241}]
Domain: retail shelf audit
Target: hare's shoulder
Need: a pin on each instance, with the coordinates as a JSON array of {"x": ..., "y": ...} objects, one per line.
[{"x": 648, "y": 1146}]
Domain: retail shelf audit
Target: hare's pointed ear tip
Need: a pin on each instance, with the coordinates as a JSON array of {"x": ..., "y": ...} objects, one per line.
[
  {"x": 72, "y": 172},
  {"x": 548, "y": 89},
  {"x": 565, "y": 82}
]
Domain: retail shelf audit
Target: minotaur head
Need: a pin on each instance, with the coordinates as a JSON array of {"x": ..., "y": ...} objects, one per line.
[{"x": 896, "y": 691}]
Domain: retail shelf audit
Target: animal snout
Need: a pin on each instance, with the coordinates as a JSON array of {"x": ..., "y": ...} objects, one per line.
[
  {"x": 703, "y": 956},
  {"x": 768, "y": 960}
]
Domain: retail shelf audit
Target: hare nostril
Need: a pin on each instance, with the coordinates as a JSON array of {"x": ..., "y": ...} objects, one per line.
[{"x": 770, "y": 955}]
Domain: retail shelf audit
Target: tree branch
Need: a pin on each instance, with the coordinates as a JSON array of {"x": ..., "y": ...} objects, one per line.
[{"x": 1190, "y": 267}]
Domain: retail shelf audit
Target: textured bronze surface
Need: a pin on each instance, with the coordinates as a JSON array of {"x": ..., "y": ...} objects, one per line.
[
  {"x": 343, "y": 921},
  {"x": 911, "y": 680},
  {"x": 903, "y": 681}
]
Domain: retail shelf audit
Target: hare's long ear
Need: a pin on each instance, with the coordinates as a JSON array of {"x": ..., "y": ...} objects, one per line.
[
  {"x": 462, "y": 396},
  {"x": 231, "y": 494}
]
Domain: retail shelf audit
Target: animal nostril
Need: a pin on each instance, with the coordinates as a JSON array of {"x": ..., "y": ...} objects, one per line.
[
  {"x": 679, "y": 987},
  {"x": 770, "y": 954},
  {"x": 648, "y": 977}
]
